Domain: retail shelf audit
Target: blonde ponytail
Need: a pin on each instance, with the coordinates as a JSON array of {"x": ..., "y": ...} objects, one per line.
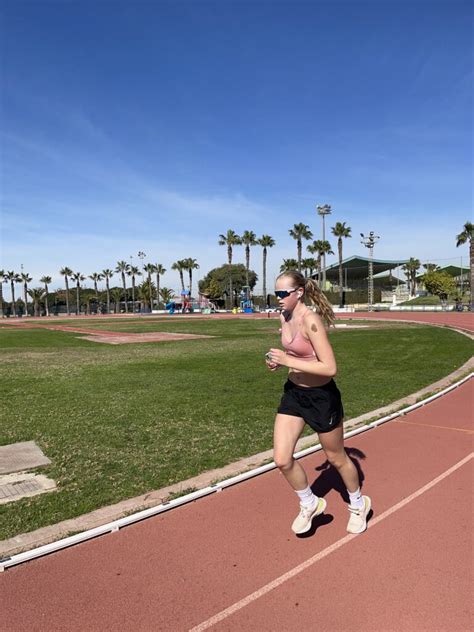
[
  {"x": 315, "y": 295},
  {"x": 319, "y": 300}
]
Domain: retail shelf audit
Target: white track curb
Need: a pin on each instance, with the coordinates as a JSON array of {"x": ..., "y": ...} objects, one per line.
[{"x": 217, "y": 487}]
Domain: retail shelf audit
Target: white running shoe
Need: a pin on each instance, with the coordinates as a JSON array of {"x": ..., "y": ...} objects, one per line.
[
  {"x": 358, "y": 518},
  {"x": 304, "y": 519}
]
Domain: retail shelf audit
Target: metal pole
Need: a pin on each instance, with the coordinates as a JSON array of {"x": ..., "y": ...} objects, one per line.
[
  {"x": 25, "y": 298},
  {"x": 369, "y": 243},
  {"x": 141, "y": 256},
  {"x": 324, "y": 255},
  {"x": 371, "y": 278},
  {"x": 323, "y": 211}
]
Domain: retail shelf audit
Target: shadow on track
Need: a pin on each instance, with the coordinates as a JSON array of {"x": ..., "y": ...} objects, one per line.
[
  {"x": 330, "y": 478},
  {"x": 319, "y": 521}
]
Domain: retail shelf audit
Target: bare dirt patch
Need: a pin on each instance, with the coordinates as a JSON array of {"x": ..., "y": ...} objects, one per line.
[
  {"x": 113, "y": 338},
  {"x": 116, "y": 338}
]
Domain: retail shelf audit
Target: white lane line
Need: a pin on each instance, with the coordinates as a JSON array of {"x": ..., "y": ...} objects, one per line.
[{"x": 324, "y": 553}]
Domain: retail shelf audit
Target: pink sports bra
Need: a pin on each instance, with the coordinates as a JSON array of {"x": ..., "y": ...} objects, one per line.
[{"x": 300, "y": 347}]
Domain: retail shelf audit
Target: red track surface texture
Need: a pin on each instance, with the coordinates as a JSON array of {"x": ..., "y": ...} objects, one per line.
[
  {"x": 411, "y": 570},
  {"x": 461, "y": 320}
]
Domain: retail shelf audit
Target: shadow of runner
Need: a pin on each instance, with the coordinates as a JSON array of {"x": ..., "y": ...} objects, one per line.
[
  {"x": 331, "y": 479},
  {"x": 319, "y": 521}
]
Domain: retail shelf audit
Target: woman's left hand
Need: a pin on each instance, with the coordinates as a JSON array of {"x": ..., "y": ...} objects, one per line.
[{"x": 279, "y": 357}]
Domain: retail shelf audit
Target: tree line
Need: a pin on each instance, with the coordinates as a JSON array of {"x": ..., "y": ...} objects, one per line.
[{"x": 148, "y": 291}]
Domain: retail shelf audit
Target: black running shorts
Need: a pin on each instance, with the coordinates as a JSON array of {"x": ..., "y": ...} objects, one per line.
[{"x": 320, "y": 406}]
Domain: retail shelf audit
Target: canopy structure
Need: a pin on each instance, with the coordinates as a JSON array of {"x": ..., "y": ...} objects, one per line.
[
  {"x": 356, "y": 269},
  {"x": 454, "y": 271},
  {"x": 387, "y": 280}
]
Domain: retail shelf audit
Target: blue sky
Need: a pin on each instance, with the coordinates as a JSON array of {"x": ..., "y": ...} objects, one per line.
[{"x": 156, "y": 126}]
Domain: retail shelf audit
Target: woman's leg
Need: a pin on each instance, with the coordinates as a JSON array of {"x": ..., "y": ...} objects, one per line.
[
  {"x": 333, "y": 445},
  {"x": 286, "y": 433}
]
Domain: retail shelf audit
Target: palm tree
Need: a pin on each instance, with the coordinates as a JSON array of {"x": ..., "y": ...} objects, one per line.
[
  {"x": 145, "y": 292},
  {"x": 300, "y": 232},
  {"x": 266, "y": 242},
  {"x": 122, "y": 267},
  {"x": 313, "y": 249},
  {"x": 180, "y": 266},
  {"x": 431, "y": 267},
  {"x": 96, "y": 276},
  {"x": 410, "y": 269},
  {"x": 87, "y": 299},
  {"x": 461, "y": 239},
  {"x": 107, "y": 274},
  {"x": 248, "y": 239},
  {"x": 46, "y": 280},
  {"x": 230, "y": 239},
  {"x": 78, "y": 277},
  {"x": 37, "y": 294},
  {"x": 133, "y": 272},
  {"x": 149, "y": 269},
  {"x": 320, "y": 247},
  {"x": 25, "y": 277},
  {"x": 166, "y": 294},
  {"x": 191, "y": 264},
  {"x": 3, "y": 280},
  {"x": 159, "y": 270},
  {"x": 288, "y": 264},
  {"x": 116, "y": 295},
  {"x": 13, "y": 277},
  {"x": 325, "y": 249},
  {"x": 308, "y": 265},
  {"x": 66, "y": 273},
  {"x": 340, "y": 230}
]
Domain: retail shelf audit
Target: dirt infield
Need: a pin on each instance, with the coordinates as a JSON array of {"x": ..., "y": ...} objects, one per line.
[{"x": 113, "y": 338}]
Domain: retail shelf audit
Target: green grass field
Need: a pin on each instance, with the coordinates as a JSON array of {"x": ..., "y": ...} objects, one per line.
[{"x": 118, "y": 421}]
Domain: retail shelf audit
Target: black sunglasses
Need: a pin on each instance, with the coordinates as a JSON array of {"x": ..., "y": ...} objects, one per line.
[{"x": 284, "y": 293}]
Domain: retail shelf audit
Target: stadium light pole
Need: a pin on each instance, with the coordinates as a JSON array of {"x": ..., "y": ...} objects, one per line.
[
  {"x": 141, "y": 255},
  {"x": 369, "y": 243},
  {"x": 323, "y": 211}
]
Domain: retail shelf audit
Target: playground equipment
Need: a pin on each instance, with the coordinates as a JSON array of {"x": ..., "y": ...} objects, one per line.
[
  {"x": 186, "y": 305},
  {"x": 246, "y": 303}
]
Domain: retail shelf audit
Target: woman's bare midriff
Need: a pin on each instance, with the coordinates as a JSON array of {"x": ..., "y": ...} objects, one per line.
[{"x": 300, "y": 378}]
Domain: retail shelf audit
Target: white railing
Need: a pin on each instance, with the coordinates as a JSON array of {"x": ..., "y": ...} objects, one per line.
[{"x": 421, "y": 308}]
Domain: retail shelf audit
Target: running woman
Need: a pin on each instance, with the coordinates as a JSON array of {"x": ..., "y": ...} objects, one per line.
[{"x": 310, "y": 396}]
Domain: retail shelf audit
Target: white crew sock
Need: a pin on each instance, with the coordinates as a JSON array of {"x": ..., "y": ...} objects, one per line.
[
  {"x": 356, "y": 498},
  {"x": 307, "y": 498}
]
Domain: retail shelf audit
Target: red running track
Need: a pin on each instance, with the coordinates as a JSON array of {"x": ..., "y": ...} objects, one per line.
[
  {"x": 410, "y": 571},
  {"x": 460, "y": 320}
]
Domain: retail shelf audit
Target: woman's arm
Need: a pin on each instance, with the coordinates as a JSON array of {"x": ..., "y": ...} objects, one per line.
[{"x": 314, "y": 330}]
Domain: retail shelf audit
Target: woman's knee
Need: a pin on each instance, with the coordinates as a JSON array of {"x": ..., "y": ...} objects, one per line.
[
  {"x": 337, "y": 459},
  {"x": 283, "y": 461}
]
